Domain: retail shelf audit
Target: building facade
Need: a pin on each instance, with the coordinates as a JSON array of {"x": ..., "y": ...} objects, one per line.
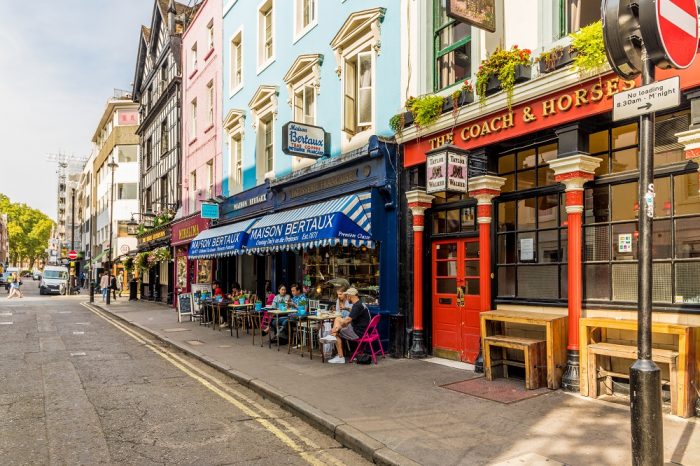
[
  {"x": 549, "y": 219},
  {"x": 158, "y": 90}
]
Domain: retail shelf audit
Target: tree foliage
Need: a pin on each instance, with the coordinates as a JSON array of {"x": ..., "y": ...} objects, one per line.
[{"x": 28, "y": 229}]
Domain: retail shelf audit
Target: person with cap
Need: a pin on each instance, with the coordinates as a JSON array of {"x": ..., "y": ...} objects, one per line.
[{"x": 350, "y": 328}]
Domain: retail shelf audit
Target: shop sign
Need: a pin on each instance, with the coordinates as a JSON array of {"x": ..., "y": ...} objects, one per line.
[
  {"x": 251, "y": 201},
  {"x": 154, "y": 236},
  {"x": 328, "y": 226},
  {"x": 478, "y": 13},
  {"x": 186, "y": 230},
  {"x": 446, "y": 170},
  {"x": 332, "y": 181},
  {"x": 305, "y": 140},
  {"x": 210, "y": 211}
]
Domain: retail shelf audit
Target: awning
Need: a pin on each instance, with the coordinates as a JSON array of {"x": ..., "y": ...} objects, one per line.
[
  {"x": 346, "y": 221},
  {"x": 219, "y": 242},
  {"x": 99, "y": 257}
]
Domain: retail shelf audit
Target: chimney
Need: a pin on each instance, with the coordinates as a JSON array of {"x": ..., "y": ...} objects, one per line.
[{"x": 171, "y": 16}]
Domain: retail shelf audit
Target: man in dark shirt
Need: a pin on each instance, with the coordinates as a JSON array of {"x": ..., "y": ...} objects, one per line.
[{"x": 351, "y": 327}]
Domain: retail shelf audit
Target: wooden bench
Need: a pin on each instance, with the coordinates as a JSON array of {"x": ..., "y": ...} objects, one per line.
[
  {"x": 493, "y": 323},
  {"x": 613, "y": 350},
  {"x": 594, "y": 330},
  {"x": 534, "y": 352}
]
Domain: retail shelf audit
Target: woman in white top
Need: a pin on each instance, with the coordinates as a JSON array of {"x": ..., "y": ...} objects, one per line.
[{"x": 342, "y": 304}]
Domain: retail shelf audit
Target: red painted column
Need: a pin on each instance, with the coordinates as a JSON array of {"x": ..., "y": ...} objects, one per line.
[
  {"x": 573, "y": 171},
  {"x": 418, "y": 202}
]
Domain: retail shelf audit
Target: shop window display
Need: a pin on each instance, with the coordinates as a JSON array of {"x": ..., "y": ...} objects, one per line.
[
  {"x": 204, "y": 271},
  {"x": 358, "y": 265}
]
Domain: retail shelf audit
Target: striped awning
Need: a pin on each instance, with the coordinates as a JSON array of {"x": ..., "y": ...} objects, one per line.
[
  {"x": 98, "y": 258},
  {"x": 227, "y": 240},
  {"x": 346, "y": 220}
]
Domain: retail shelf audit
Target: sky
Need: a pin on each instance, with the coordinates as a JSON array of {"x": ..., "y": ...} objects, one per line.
[{"x": 59, "y": 63}]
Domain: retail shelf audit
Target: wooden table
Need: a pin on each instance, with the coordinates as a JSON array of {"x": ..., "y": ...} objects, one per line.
[
  {"x": 243, "y": 309},
  {"x": 276, "y": 313},
  {"x": 555, "y": 329},
  {"x": 320, "y": 318},
  {"x": 687, "y": 336}
]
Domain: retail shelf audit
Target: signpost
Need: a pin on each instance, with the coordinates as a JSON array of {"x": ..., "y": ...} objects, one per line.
[
  {"x": 638, "y": 35},
  {"x": 647, "y": 99}
]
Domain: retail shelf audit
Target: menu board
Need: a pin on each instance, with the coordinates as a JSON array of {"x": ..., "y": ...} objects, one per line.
[{"x": 184, "y": 306}]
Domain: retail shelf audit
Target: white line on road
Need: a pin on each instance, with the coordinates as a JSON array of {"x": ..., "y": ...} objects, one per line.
[
  {"x": 81, "y": 353},
  {"x": 5, "y": 313},
  {"x": 6, "y": 323},
  {"x": 65, "y": 312},
  {"x": 78, "y": 333}
]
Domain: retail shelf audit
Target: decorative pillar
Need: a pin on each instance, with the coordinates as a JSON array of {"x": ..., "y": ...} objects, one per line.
[
  {"x": 484, "y": 188},
  {"x": 573, "y": 171},
  {"x": 418, "y": 202}
]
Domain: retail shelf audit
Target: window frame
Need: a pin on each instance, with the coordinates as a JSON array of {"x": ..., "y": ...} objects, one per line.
[
  {"x": 193, "y": 191},
  {"x": 193, "y": 120},
  {"x": 352, "y": 67},
  {"x": 236, "y": 160},
  {"x": 301, "y": 96},
  {"x": 193, "y": 59},
  {"x": 263, "y": 59},
  {"x": 210, "y": 36},
  {"x": 212, "y": 98},
  {"x": 299, "y": 29},
  {"x": 236, "y": 58},
  {"x": 268, "y": 148},
  {"x": 439, "y": 53}
]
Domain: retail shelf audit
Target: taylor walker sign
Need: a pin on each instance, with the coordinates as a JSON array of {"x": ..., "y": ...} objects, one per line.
[
  {"x": 446, "y": 170},
  {"x": 305, "y": 140}
]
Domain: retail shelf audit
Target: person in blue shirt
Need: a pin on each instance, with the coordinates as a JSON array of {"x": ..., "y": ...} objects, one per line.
[{"x": 298, "y": 296}]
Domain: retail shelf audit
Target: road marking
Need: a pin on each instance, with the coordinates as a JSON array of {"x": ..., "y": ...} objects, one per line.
[
  {"x": 678, "y": 16},
  {"x": 78, "y": 333},
  {"x": 170, "y": 330},
  {"x": 80, "y": 353},
  {"x": 65, "y": 312},
  {"x": 5, "y": 313},
  {"x": 6, "y": 323},
  {"x": 252, "y": 408},
  {"x": 194, "y": 342}
]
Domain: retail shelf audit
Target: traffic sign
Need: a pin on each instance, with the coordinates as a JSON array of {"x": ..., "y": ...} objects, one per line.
[
  {"x": 621, "y": 37},
  {"x": 647, "y": 99},
  {"x": 670, "y": 31},
  {"x": 72, "y": 255}
]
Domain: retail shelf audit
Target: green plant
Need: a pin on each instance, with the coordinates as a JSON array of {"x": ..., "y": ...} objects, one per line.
[
  {"x": 426, "y": 109},
  {"x": 396, "y": 123},
  {"x": 129, "y": 264},
  {"x": 141, "y": 261},
  {"x": 590, "y": 49},
  {"x": 501, "y": 64},
  {"x": 550, "y": 57},
  {"x": 162, "y": 254}
]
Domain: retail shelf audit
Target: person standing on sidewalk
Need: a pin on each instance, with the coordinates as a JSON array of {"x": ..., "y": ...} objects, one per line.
[
  {"x": 351, "y": 327},
  {"x": 104, "y": 285},
  {"x": 113, "y": 286},
  {"x": 120, "y": 284}
]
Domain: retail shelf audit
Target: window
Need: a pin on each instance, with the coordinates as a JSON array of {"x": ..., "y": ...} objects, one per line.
[
  {"x": 193, "y": 191},
  {"x": 148, "y": 200},
  {"x": 193, "y": 58},
  {"x": 237, "y": 62},
  {"x": 358, "y": 105},
  {"x": 193, "y": 120},
  {"x": 164, "y": 138},
  {"x": 210, "y": 35},
  {"x": 268, "y": 143},
  {"x": 236, "y": 148},
  {"x": 305, "y": 13},
  {"x": 163, "y": 193},
  {"x": 210, "y": 179},
  {"x": 265, "y": 34},
  {"x": 527, "y": 168},
  {"x": 305, "y": 105},
  {"x": 149, "y": 153},
  {"x": 454, "y": 220},
  {"x": 127, "y": 154},
  {"x": 210, "y": 113},
  {"x": 452, "y": 48},
  {"x": 164, "y": 74},
  {"x": 126, "y": 191},
  {"x": 575, "y": 14}
]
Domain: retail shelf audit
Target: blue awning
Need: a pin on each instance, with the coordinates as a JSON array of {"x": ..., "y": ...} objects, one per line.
[
  {"x": 347, "y": 220},
  {"x": 219, "y": 242}
]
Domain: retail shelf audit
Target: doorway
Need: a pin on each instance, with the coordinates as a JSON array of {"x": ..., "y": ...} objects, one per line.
[{"x": 456, "y": 298}]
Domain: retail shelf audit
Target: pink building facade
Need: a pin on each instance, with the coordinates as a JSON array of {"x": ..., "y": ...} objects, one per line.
[{"x": 202, "y": 47}]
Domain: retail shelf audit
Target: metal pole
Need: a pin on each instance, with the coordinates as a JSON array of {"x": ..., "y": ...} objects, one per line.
[
  {"x": 111, "y": 211},
  {"x": 72, "y": 239},
  {"x": 645, "y": 376}
]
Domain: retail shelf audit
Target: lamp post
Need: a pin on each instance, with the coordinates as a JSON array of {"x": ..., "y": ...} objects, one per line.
[
  {"x": 72, "y": 239},
  {"x": 112, "y": 165}
]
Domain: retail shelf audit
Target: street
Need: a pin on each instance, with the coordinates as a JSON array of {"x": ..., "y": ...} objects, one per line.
[{"x": 80, "y": 387}]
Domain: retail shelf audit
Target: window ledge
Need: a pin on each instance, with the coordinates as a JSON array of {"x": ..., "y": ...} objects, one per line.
[
  {"x": 300, "y": 34},
  {"x": 192, "y": 74},
  {"x": 211, "y": 126},
  {"x": 209, "y": 54},
  {"x": 192, "y": 142},
  {"x": 265, "y": 65},
  {"x": 235, "y": 90}
]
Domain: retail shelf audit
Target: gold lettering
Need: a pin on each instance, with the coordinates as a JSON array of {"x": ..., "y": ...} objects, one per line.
[
  {"x": 611, "y": 86},
  {"x": 581, "y": 97},
  {"x": 508, "y": 120},
  {"x": 596, "y": 92},
  {"x": 548, "y": 108},
  {"x": 465, "y": 133},
  {"x": 495, "y": 120},
  {"x": 628, "y": 84},
  {"x": 564, "y": 102},
  {"x": 474, "y": 131},
  {"x": 528, "y": 116},
  {"x": 485, "y": 128}
]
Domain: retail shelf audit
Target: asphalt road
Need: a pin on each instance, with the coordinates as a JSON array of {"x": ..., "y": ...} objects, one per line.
[{"x": 78, "y": 387}]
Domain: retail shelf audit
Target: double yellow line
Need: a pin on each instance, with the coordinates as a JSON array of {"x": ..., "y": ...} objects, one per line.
[{"x": 245, "y": 404}]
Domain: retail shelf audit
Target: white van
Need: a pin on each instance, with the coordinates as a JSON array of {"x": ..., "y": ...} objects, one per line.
[{"x": 54, "y": 280}]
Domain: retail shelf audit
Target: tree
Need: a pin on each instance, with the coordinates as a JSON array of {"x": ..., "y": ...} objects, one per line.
[{"x": 28, "y": 229}]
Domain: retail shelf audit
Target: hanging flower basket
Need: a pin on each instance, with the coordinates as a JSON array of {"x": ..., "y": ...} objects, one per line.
[
  {"x": 162, "y": 254},
  {"x": 502, "y": 71}
]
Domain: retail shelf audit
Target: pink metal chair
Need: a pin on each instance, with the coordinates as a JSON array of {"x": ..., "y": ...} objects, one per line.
[
  {"x": 371, "y": 335},
  {"x": 265, "y": 321}
]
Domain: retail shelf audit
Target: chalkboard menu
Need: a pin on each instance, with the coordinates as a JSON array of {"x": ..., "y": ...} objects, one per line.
[{"x": 184, "y": 306}]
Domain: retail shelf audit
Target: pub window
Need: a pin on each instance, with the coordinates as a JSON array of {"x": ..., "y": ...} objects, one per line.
[
  {"x": 460, "y": 220},
  {"x": 531, "y": 245},
  {"x": 452, "y": 48},
  {"x": 527, "y": 168}
]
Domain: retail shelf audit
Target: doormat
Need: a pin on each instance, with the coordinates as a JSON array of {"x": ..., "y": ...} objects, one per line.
[{"x": 502, "y": 390}]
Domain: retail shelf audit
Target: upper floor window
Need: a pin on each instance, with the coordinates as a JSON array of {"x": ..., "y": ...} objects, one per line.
[
  {"x": 126, "y": 191},
  {"x": 210, "y": 35},
  {"x": 263, "y": 107},
  {"x": 237, "y": 62},
  {"x": 303, "y": 81},
  {"x": 210, "y": 179},
  {"x": 358, "y": 93},
  {"x": 265, "y": 33},
  {"x": 305, "y": 16},
  {"x": 193, "y": 119},
  {"x": 164, "y": 139},
  {"x": 193, "y": 191},
  {"x": 193, "y": 58},
  {"x": 210, "y": 112},
  {"x": 452, "y": 48},
  {"x": 234, "y": 125},
  {"x": 148, "y": 162},
  {"x": 127, "y": 154},
  {"x": 305, "y": 105},
  {"x": 575, "y": 14},
  {"x": 267, "y": 129}
]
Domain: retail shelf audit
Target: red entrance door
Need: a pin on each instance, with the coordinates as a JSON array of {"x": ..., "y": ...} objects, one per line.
[{"x": 456, "y": 298}]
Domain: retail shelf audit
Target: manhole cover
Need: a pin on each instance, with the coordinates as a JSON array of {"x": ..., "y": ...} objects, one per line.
[{"x": 194, "y": 342}]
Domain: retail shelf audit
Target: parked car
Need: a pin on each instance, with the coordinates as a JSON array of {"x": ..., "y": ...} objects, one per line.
[
  {"x": 54, "y": 280},
  {"x": 36, "y": 275}
]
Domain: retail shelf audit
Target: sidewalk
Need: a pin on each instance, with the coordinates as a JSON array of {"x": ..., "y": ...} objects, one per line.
[{"x": 397, "y": 411}]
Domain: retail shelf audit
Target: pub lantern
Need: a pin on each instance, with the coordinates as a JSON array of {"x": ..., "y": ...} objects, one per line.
[{"x": 446, "y": 170}]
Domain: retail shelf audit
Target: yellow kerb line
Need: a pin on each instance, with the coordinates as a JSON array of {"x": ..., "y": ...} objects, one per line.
[{"x": 245, "y": 409}]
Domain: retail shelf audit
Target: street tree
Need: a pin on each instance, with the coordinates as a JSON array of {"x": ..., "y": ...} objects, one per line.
[{"x": 28, "y": 230}]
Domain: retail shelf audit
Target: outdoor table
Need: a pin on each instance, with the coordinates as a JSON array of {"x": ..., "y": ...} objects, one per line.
[
  {"x": 320, "y": 318},
  {"x": 276, "y": 313},
  {"x": 239, "y": 309},
  {"x": 217, "y": 306}
]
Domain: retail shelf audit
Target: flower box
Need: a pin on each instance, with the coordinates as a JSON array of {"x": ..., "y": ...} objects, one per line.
[
  {"x": 465, "y": 97},
  {"x": 561, "y": 59},
  {"x": 522, "y": 73}
]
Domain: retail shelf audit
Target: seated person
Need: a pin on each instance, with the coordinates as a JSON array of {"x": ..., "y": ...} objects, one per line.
[
  {"x": 342, "y": 304},
  {"x": 217, "y": 289},
  {"x": 351, "y": 327},
  {"x": 235, "y": 290},
  {"x": 298, "y": 296},
  {"x": 282, "y": 298}
]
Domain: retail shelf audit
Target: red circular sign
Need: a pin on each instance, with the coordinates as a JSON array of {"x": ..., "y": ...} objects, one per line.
[
  {"x": 677, "y": 25},
  {"x": 72, "y": 255}
]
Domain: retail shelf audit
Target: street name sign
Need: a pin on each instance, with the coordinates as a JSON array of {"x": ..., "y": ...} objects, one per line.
[
  {"x": 670, "y": 31},
  {"x": 647, "y": 99}
]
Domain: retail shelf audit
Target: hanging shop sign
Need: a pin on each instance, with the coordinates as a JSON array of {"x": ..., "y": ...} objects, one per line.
[
  {"x": 210, "y": 211},
  {"x": 478, "y": 13},
  {"x": 153, "y": 236},
  {"x": 307, "y": 141},
  {"x": 446, "y": 170}
]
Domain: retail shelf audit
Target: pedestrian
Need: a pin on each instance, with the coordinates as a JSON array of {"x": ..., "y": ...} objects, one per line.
[
  {"x": 104, "y": 285},
  {"x": 14, "y": 287},
  {"x": 113, "y": 286},
  {"x": 120, "y": 284},
  {"x": 82, "y": 279}
]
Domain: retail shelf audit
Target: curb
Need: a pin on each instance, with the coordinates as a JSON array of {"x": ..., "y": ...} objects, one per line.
[{"x": 347, "y": 435}]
